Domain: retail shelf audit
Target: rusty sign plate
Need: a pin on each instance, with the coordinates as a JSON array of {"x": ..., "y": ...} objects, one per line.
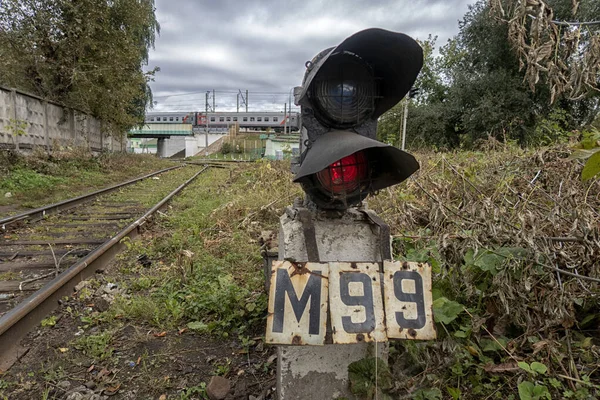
[
  {"x": 408, "y": 300},
  {"x": 297, "y": 303},
  {"x": 355, "y": 303}
]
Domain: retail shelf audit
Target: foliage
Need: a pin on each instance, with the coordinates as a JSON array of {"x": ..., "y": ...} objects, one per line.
[
  {"x": 212, "y": 284},
  {"x": 566, "y": 54},
  {"x": 589, "y": 149},
  {"x": 87, "y": 54},
  {"x": 97, "y": 346},
  {"x": 16, "y": 127},
  {"x": 194, "y": 392},
  {"x": 50, "y": 321},
  {"x": 41, "y": 178},
  {"x": 475, "y": 90},
  {"x": 370, "y": 378},
  {"x": 494, "y": 225}
]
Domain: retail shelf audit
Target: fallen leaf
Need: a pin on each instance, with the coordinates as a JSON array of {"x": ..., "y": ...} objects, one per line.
[
  {"x": 181, "y": 331},
  {"x": 504, "y": 367},
  {"x": 162, "y": 334},
  {"x": 112, "y": 390},
  {"x": 102, "y": 373},
  {"x": 63, "y": 349},
  {"x": 163, "y": 397},
  {"x": 138, "y": 360},
  {"x": 91, "y": 368}
]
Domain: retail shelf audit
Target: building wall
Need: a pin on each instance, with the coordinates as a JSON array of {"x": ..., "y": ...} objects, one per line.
[
  {"x": 275, "y": 148},
  {"x": 28, "y": 122}
]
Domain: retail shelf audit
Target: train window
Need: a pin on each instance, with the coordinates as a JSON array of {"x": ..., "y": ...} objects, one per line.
[
  {"x": 170, "y": 118},
  {"x": 221, "y": 119},
  {"x": 275, "y": 119},
  {"x": 266, "y": 119},
  {"x": 176, "y": 118},
  {"x": 152, "y": 119},
  {"x": 234, "y": 119},
  {"x": 259, "y": 119},
  {"x": 251, "y": 119},
  {"x": 212, "y": 119},
  {"x": 228, "y": 119},
  {"x": 245, "y": 119}
]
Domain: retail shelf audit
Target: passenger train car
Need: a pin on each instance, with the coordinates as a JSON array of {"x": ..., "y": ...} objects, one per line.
[{"x": 220, "y": 121}]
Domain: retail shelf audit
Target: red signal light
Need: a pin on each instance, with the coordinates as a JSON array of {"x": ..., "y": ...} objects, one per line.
[{"x": 345, "y": 175}]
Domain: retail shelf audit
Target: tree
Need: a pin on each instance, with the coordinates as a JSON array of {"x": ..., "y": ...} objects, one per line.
[
  {"x": 566, "y": 54},
  {"x": 480, "y": 91},
  {"x": 86, "y": 54}
]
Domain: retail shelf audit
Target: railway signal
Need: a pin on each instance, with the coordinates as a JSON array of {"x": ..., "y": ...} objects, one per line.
[{"x": 345, "y": 90}]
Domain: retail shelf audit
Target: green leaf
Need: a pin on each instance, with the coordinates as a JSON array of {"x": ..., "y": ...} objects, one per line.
[
  {"x": 525, "y": 390},
  {"x": 538, "y": 367},
  {"x": 583, "y": 154},
  {"x": 541, "y": 391},
  {"x": 454, "y": 392},
  {"x": 446, "y": 311},
  {"x": 525, "y": 366},
  {"x": 428, "y": 394},
  {"x": 591, "y": 168},
  {"x": 198, "y": 326},
  {"x": 362, "y": 374}
]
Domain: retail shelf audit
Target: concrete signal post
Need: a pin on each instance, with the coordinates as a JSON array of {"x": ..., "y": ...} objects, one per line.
[{"x": 336, "y": 296}]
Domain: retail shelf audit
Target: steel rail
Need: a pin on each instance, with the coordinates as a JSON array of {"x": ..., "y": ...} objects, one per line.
[
  {"x": 70, "y": 203},
  {"x": 15, "y": 324}
]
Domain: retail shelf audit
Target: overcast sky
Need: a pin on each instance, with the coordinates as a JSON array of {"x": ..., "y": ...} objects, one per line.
[{"x": 262, "y": 45}]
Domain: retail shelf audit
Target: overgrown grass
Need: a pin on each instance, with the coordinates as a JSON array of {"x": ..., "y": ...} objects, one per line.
[
  {"x": 210, "y": 269},
  {"x": 490, "y": 224},
  {"x": 493, "y": 224},
  {"x": 41, "y": 178}
]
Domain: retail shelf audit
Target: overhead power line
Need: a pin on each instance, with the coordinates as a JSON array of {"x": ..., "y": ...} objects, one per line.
[
  {"x": 567, "y": 23},
  {"x": 222, "y": 92}
]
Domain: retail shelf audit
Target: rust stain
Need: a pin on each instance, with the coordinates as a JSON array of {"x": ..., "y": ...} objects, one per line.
[
  {"x": 299, "y": 269},
  {"x": 354, "y": 265},
  {"x": 405, "y": 265},
  {"x": 297, "y": 340},
  {"x": 412, "y": 332},
  {"x": 360, "y": 337}
]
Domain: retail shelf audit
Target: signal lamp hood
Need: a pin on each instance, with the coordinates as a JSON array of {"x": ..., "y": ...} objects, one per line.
[
  {"x": 396, "y": 60},
  {"x": 392, "y": 164}
]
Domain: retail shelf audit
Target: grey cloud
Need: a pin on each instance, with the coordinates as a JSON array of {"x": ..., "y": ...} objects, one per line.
[{"x": 261, "y": 45}]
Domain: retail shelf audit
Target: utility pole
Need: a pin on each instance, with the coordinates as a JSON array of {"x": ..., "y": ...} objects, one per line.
[
  {"x": 285, "y": 122},
  {"x": 404, "y": 124},
  {"x": 207, "y": 108},
  {"x": 244, "y": 99},
  {"x": 290, "y": 112},
  {"x": 237, "y": 97},
  {"x": 214, "y": 107}
]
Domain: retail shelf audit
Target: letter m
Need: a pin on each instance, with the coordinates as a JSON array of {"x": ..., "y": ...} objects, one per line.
[{"x": 312, "y": 291}]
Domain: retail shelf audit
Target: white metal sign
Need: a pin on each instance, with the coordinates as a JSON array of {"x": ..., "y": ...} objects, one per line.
[
  {"x": 408, "y": 300},
  {"x": 301, "y": 293},
  {"x": 298, "y": 303},
  {"x": 356, "y": 303}
]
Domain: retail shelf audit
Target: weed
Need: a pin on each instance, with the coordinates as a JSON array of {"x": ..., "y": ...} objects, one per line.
[
  {"x": 223, "y": 368},
  {"x": 49, "y": 322},
  {"x": 194, "y": 392},
  {"x": 8, "y": 276},
  {"x": 96, "y": 346}
]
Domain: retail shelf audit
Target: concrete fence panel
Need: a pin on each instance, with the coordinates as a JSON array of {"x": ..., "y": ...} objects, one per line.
[{"x": 28, "y": 121}]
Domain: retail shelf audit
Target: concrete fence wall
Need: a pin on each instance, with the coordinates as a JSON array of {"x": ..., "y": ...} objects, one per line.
[{"x": 28, "y": 122}]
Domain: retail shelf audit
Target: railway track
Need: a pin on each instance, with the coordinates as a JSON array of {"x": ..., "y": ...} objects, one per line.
[{"x": 45, "y": 252}]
